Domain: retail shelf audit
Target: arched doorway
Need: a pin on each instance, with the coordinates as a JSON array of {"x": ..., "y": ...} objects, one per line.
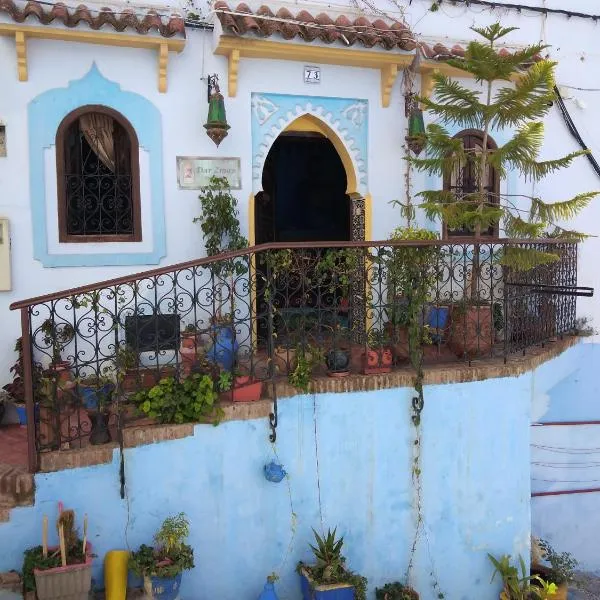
[
  {"x": 308, "y": 194},
  {"x": 305, "y": 185}
]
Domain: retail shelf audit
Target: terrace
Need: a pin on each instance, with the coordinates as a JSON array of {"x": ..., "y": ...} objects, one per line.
[{"x": 260, "y": 320}]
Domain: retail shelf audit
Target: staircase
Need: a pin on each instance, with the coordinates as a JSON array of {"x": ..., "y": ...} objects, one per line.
[{"x": 17, "y": 488}]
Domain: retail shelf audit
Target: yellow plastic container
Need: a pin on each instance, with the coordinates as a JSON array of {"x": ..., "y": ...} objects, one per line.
[{"x": 115, "y": 574}]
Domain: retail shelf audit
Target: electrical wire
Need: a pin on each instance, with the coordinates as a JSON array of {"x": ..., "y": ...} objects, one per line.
[
  {"x": 562, "y": 450},
  {"x": 573, "y": 130},
  {"x": 521, "y": 7}
]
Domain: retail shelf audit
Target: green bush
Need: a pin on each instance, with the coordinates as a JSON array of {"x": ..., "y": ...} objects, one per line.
[{"x": 170, "y": 401}]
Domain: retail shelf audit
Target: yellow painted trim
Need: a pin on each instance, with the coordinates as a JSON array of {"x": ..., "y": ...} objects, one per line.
[
  {"x": 251, "y": 223},
  {"x": 21, "y": 48},
  {"x": 163, "y": 62},
  {"x": 427, "y": 82},
  {"x": 233, "y": 65},
  {"x": 252, "y": 242},
  {"x": 388, "y": 77},
  {"x": 306, "y": 124},
  {"x": 368, "y": 218},
  {"x": 389, "y": 63},
  {"x": 22, "y": 32}
]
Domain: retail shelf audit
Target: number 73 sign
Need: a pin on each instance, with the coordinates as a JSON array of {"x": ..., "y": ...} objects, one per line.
[{"x": 312, "y": 74}]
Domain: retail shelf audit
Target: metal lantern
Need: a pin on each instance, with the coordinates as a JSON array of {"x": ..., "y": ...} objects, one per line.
[
  {"x": 416, "y": 137},
  {"x": 216, "y": 124}
]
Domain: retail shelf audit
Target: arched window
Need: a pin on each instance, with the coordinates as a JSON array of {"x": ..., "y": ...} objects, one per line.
[
  {"x": 97, "y": 162},
  {"x": 464, "y": 179}
]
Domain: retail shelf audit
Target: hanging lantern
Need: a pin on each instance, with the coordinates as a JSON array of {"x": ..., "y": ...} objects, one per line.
[
  {"x": 216, "y": 124},
  {"x": 416, "y": 138}
]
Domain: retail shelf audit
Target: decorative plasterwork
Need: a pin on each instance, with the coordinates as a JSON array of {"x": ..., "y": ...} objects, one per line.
[
  {"x": 161, "y": 45},
  {"x": 45, "y": 113},
  {"x": 345, "y": 118}
]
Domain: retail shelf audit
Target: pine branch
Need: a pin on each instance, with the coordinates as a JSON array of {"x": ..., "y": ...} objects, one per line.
[
  {"x": 531, "y": 97},
  {"x": 524, "y": 259},
  {"x": 569, "y": 235},
  {"x": 560, "y": 211},
  {"x": 539, "y": 170},
  {"x": 519, "y": 228},
  {"x": 455, "y": 105}
]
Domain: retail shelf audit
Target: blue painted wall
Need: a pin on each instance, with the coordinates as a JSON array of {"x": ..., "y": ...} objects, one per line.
[
  {"x": 476, "y": 488},
  {"x": 568, "y": 457}
]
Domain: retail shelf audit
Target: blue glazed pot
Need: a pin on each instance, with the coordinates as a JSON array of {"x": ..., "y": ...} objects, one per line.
[
  {"x": 162, "y": 588},
  {"x": 225, "y": 347},
  {"x": 274, "y": 472},
  {"x": 268, "y": 592},
  {"x": 337, "y": 361},
  {"x": 311, "y": 591}
]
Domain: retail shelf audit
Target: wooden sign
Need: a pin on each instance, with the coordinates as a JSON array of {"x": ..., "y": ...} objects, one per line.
[{"x": 194, "y": 172}]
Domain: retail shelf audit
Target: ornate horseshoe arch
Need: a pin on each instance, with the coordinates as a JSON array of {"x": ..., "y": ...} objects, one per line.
[{"x": 343, "y": 121}]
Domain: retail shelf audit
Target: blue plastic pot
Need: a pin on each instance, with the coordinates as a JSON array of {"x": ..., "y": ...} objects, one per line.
[
  {"x": 437, "y": 319},
  {"x": 311, "y": 591},
  {"x": 268, "y": 592},
  {"x": 22, "y": 412},
  {"x": 274, "y": 472},
  {"x": 164, "y": 588},
  {"x": 225, "y": 347},
  {"x": 93, "y": 396}
]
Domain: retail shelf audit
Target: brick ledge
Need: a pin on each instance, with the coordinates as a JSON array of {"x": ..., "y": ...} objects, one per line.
[{"x": 436, "y": 374}]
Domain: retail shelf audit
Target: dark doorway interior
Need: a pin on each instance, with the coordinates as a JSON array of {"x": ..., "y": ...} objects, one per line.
[
  {"x": 304, "y": 192},
  {"x": 303, "y": 200}
]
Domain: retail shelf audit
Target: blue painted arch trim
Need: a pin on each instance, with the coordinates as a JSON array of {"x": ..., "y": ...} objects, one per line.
[{"x": 45, "y": 113}]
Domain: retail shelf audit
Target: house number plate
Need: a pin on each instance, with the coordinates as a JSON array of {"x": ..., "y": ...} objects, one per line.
[{"x": 312, "y": 74}]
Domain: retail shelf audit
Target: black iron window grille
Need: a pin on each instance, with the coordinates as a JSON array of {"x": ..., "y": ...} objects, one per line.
[{"x": 98, "y": 181}]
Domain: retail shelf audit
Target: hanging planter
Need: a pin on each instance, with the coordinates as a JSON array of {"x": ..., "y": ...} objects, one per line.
[{"x": 274, "y": 472}]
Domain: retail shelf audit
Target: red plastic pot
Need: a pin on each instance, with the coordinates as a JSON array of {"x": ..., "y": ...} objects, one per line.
[{"x": 245, "y": 389}]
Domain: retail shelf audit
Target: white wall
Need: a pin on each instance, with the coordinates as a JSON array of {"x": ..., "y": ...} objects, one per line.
[{"x": 184, "y": 108}]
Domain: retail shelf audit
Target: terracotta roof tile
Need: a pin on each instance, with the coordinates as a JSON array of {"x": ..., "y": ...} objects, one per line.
[
  {"x": 242, "y": 21},
  {"x": 151, "y": 21}
]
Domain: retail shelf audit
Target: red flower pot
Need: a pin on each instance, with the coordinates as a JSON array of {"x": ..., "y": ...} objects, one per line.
[
  {"x": 378, "y": 361},
  {"x": 245, "y": 389}
]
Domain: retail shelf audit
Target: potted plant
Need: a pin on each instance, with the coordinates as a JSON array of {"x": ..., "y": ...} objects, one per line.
[
  {"x": 378, "y": 357},
  {"x": 559, "y": 568},
  {"x": 517, "y": 584},
  {"x": 472, "y": 331},
  {"x": 496, "y": 104},
  {"x": 307, "y": 357},
  {"x": 329, "y": 577},
  {"x": 162, "y": 565},
  {"x": 189, "y": 400},
  {"x": 16, "y": 388},
  {"x": 338, "y": 362},
  {"x": 96, "y": 395},
  {"x": 62, "y": 572},
  {"x": 57, "y": 336},
  {"x": 396, "y": 591},
  {"x": 240, "y": 387},
  {"x": 190, "y": 337}
]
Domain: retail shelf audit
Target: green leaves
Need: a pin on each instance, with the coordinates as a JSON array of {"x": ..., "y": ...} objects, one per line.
[
  {"x": 471, "y": 199},
  {"x": 189, "y": 400}
]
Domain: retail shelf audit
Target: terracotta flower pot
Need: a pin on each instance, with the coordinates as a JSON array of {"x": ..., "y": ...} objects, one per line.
[
  {"x": 472, "y": 332},
  {"x": 378, "y": 361},
  {"x": 246, "y": 389},
  {"x": 72, "y": 582}
]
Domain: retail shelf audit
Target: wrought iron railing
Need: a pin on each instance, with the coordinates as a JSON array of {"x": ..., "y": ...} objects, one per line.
[{"x": 278, "y": 311}]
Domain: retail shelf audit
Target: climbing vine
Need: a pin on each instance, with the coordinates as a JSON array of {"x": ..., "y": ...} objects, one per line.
[{"x": 412, "y": 273}]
